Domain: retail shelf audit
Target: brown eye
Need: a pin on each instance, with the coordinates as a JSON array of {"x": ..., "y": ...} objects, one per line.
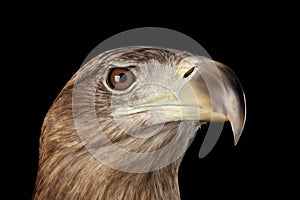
[{"x": 120, "y": 78}]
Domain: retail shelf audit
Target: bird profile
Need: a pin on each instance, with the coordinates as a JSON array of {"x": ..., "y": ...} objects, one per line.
[{"x": 120, "y": 127}]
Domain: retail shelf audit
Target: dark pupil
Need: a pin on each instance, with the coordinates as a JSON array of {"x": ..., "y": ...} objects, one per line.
[{"x": 123, "y": 78}]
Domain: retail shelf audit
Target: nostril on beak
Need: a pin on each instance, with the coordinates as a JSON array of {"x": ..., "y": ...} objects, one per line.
[{"x": 189, "y": 72}]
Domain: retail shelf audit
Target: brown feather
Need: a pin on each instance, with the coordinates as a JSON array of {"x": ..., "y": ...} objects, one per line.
[{"x": 67, "y": 170}]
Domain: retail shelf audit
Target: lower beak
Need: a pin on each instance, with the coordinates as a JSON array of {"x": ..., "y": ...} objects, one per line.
[{"x": 210, "y": 92}]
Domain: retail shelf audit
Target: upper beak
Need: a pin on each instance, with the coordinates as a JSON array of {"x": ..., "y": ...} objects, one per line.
[
  {"x": 216, "y": 90},
  {"x": 210, "y": 91}
]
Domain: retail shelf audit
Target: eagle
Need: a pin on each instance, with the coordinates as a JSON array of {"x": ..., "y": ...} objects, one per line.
[{"x": 121, "y": 125}]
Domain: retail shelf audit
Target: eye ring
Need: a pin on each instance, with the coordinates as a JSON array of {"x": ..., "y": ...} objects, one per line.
[{"x": 120, "y": 78}]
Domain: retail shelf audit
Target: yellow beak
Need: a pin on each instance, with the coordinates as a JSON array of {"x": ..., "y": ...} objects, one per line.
[{"x": 216, "y": 90}]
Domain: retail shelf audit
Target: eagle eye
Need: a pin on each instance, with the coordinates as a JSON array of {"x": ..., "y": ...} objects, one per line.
[{"x": 120, "y": 78}]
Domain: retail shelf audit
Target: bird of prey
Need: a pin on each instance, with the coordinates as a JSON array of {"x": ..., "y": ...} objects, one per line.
[{"x": 120, "y": 127}]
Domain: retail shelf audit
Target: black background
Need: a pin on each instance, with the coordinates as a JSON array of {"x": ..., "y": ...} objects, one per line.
[{"x": 51, "y": 46}]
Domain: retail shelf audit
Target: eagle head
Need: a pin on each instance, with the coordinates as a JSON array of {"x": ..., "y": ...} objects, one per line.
[{"x": 121, "y": 125}]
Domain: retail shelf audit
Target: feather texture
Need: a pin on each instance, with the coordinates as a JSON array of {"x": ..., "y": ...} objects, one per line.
[{"x": 67, "y": 170}]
